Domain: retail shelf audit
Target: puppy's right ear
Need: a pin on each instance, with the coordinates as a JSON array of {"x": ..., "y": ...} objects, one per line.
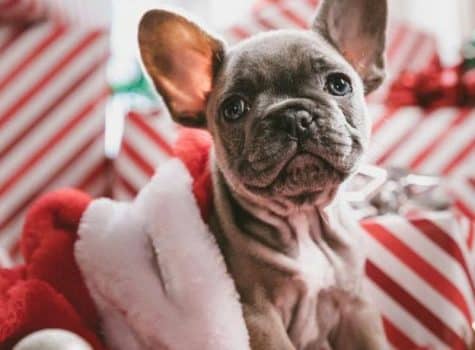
[{"x": 182, "y": 61}]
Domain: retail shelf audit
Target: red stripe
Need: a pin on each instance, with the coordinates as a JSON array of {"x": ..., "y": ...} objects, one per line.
[
  {"x": 151, "y": 133},
  {"x": 399, "y": 143},
  {"x": 100, "y": 170},
  {"x": 30, "y": 57},
  {"x": 436, "y": 141},
  {"x": 396, "y": 41},
  {"x": 42, "y": 115},
  {"x": 133, "y": 154},
  {"x": 14, "y": 36},
  {"x": 471, "y": 235},
  {"x": 387, "y": 115},
  {"x": 48, "y": 76},
  {"x": 17, "y": 174},
  {"x": 239, "y": 32},
  {"x": 396, "y": 337},
  {"x": 132, "y": 191},
  {"x": 445, "y": 242},
  {"x": 414, "y": 307},
  {"x": 290, "y": 15},
  {"x": 463, "y": 207},
  {"x": 418, "y": 265},
  {"x": 466, "y": 151},
  {"x": 20, "y": 207}
]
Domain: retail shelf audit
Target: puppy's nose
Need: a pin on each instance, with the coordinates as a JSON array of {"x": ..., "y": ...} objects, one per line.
[{"x": 297, "y": 123}]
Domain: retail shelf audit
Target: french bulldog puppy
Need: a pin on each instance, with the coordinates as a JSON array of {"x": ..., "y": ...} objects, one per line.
[{"x": 286, "y": 110}]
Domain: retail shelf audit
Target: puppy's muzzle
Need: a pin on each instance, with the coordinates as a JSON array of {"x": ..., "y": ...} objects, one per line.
[{"x": 296, "y": 118}]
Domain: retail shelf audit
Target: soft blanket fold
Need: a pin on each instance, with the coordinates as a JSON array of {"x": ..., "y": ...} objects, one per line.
[{"x": 156, "y": 273}]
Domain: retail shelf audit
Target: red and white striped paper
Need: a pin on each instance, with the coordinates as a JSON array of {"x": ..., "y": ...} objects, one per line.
[
  {"x": 438, "y": 142},
  {"x": 421, "y": 276},
  {"x": 53, "y": 92},
  {"x": 408, "y": 48},
  {"x": 146, "y": 144}
]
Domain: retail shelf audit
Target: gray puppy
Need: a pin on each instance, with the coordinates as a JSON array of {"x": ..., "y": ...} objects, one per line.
[{"x": 286, "y": 110}]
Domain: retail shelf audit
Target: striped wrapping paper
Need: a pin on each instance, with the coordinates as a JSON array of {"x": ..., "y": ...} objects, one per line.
[
  {"x": 439, "y": 142},
  {"x": 52, "y": 96},
  {"x": 420, "y": 276},
  {"x": 420, "y": 270},
  {"x": 408, "y": 48}
]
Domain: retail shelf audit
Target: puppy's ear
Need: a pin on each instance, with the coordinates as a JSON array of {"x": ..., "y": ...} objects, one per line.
[
  {"x": 357, "y": 28},
  {"x": 182, "y": 60}
]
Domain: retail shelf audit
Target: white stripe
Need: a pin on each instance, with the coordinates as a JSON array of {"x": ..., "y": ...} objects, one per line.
[
  {"x": 464, "y": 192},
  {"x": 6, "y": 33},
  {"x": 131, "y": 172},
  {"x": 377, "y": 112},
  {"x": 392, "y": 130},
  {"x": 425, "y": 294},
  {"x": 36, "y": 71},
  {"x": 433, "y": 255},
  {"x": 429, "y": 128},
  {"x": 150, "y": 152},
  {"x": 50, "y": 126},
  {"x": 303, "y": 10},
  {"x": 22, "y": 47},
  {"x": 448, "y": 148},
  {"x": 423, "y": 55},
  {"x": 53, "y": 90},
  {"x": 53, "y": 160},
  {"x": 83, "y": 165},
  {"x": 273, "y": 16},
  {"x": 406, "y": 322}
]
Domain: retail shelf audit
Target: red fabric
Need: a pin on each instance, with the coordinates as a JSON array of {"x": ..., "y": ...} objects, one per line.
[{"x": 48, "y": 291}]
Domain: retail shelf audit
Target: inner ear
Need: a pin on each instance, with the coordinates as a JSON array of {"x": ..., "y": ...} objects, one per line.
[
  {"x": 182, "y": 60},
  {"x": 357, "y": 29}
]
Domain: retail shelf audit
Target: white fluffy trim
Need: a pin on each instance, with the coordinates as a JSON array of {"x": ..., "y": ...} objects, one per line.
[{"x": 156, "y": 272}]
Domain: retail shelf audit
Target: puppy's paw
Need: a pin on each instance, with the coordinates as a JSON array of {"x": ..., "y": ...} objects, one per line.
[{"x": 52, "y": 339}]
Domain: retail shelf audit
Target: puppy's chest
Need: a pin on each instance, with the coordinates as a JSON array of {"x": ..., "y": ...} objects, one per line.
[{"x": 313, "y": 268}]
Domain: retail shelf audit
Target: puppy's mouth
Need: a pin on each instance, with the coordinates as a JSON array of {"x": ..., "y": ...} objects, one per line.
[{"x": 304, "y": 178}]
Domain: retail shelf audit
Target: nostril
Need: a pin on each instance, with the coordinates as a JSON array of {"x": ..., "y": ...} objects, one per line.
[{"x": 304, "y": 120}]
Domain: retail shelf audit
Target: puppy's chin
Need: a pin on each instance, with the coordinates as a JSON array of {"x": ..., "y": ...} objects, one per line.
[{"x": 306, "y": 180}]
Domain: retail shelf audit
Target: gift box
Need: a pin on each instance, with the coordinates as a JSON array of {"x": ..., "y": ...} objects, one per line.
[
  {"x": 53, "y": 92},
  {"x": 421, "y": 277},
  {"x": 437, "y": 141}
]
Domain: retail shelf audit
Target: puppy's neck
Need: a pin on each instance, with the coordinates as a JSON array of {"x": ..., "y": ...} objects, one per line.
[{"x": 239, "y": 217}]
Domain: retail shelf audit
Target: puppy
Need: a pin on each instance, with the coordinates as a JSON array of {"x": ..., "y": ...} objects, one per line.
[{"x": 286, "y": 110}]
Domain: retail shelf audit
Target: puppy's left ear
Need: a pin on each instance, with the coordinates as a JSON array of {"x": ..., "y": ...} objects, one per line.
[
  {"x": 357, "y": 28},
  {"x": 182, "y": 61}
]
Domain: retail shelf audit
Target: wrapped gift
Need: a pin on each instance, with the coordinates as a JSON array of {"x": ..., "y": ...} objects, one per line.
[
  {"x": 409, "y": 49},
  {"x": 421, "y": 276},
  {"x": 438, "y": 141},
  {"x": 53, "y": 93}
]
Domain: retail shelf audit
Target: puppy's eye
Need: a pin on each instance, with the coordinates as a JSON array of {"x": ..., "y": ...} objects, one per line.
[
  {"x": 234, "y": 108},
  {"x": 338, "y": 84}
]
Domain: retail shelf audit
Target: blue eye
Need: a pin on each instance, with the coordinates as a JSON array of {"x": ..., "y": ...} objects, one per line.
[
  {"x": 338, "y": 84},
  {"x": 234, "y": 108}
]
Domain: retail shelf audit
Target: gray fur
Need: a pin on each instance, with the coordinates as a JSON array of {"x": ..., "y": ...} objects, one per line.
[{"x": 271, "y": 176}]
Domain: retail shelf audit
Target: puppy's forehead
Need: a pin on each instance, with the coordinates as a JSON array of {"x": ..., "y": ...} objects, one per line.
[{"x": 281, "y": 56}]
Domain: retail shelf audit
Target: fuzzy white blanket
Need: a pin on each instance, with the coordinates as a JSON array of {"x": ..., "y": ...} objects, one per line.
[{"x": 156, "y": 272}]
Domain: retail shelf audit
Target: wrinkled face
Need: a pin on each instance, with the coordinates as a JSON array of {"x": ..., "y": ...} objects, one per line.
[
  {"x": 288, "y": 117},
  {"x": 286, "y": 108}
]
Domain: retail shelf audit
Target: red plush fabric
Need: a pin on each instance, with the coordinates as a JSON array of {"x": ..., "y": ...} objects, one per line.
[
  {"x": 49, "y": 291},
  {"x": 193, "y": 148}
]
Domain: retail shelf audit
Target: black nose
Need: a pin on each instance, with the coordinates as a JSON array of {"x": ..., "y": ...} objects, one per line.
[{"x": 297, "y": 123}]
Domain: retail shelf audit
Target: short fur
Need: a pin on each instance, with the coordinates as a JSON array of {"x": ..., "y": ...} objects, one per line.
[{"x": 280, "y": 164}]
